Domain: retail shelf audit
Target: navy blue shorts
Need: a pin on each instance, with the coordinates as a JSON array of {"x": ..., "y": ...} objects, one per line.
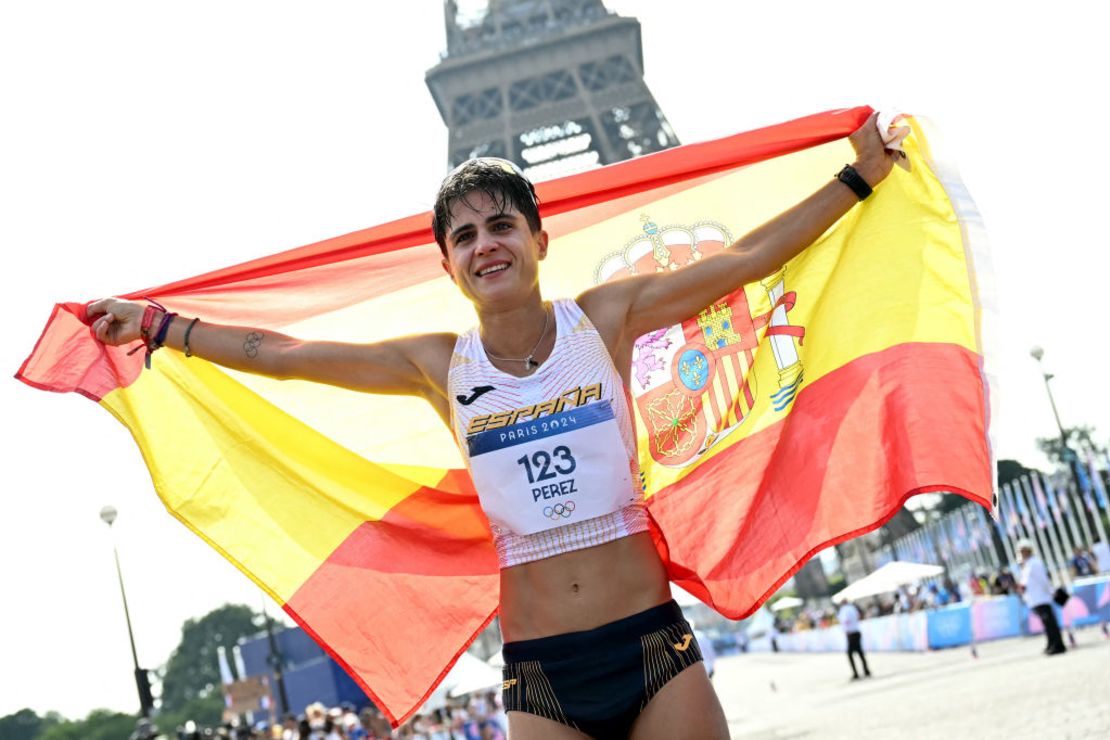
[{"x": 598, "y": 681}]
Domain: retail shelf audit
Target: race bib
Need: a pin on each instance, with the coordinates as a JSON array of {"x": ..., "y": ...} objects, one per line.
[{"x": 541, "y": 474}]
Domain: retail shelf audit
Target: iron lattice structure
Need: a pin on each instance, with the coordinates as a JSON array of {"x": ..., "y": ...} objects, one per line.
[{"x": 557, "y": 86}]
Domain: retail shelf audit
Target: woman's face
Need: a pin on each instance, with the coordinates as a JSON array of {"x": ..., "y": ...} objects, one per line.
[{"x": 492, "y": 253}]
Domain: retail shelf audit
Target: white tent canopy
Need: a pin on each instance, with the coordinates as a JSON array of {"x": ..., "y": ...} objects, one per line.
[
  {"x": 469, "y": 674},
  {"x": 786, "y": 602},
  {"x": 761, "y": 623},
  {"x": 886, "y": 579}
]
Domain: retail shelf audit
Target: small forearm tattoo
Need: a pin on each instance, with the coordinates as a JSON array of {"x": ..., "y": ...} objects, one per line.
[{"x": 250, "y": 347}]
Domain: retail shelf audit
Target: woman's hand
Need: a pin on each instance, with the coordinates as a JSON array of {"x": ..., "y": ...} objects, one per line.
[
  {"x": 874, "y": 157},
  {"x": 117, "y": 321}
]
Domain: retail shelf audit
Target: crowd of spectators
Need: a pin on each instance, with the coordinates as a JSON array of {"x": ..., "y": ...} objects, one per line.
[
  {"x": 933, "y": 595},
  {"x": 942, "y": 592},
  {"x": 475, "y": 718}
]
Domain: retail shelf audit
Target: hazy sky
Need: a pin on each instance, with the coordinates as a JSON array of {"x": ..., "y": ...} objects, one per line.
[{"x": 149, "y": 141}]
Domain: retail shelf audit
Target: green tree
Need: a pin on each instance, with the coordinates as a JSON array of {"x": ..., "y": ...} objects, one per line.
[
  {"x": 1008, "y": 471},
  {"x": 101, "y": 724},
  {"x": 1078, "y": 438},
  {"x": 26, "y": 724},
  {"x": 1011, "y": 470},
  {"x": 193, "y": 669},
  {"x": 901, "y": 524},
  {"x": 950, "y": 502}
]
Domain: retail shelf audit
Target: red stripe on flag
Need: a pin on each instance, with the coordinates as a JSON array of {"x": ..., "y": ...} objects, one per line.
[
  {"x": 559, "y": 196},
  {"x": 431, "y": 556},
  {"x": 67, "y": 358},
  {"x": 857, "y": 443}
]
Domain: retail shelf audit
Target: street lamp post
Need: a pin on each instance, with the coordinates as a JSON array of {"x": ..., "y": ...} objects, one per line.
[
  {"x": 1069, "y": 457},
  {"x": 276, "y": 660},
  {"x": 142, "y": 681}
]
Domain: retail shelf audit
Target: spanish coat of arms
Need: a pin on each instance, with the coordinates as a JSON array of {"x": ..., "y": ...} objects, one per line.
[{"x": 692, "y": 382}]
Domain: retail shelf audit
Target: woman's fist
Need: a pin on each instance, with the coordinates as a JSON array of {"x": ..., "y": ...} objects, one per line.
[
  {"x": 874, "y": 156},
  {"x": 116, "y": 321}
]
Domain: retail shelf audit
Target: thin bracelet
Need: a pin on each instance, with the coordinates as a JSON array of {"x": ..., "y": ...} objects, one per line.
[
  {"x": 156, "y": 342},
  {"x": 163, "y": 329},
  {"x": 188, "y": 330}
]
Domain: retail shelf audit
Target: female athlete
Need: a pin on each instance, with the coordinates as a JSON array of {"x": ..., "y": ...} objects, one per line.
[{"x": 536, "y": 398}]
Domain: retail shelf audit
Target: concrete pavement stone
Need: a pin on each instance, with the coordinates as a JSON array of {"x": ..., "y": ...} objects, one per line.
[{"x": 1012, "y": 690}]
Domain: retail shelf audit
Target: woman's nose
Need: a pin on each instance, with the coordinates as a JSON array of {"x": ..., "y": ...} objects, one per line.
[{"x": 486, "y": 242}]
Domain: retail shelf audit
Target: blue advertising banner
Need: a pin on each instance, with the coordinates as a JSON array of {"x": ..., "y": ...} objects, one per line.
[
  {"x": 996, "y": 617},
  {"x": 949, "y": 626},
  {"x": 1089, "y": 602}
]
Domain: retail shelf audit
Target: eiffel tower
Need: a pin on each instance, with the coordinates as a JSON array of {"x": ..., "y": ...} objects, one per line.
[{"x": 557, "y": 86}]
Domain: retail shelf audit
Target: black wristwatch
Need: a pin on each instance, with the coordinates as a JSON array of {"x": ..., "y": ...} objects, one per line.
[{"x": 855, "y": 181}]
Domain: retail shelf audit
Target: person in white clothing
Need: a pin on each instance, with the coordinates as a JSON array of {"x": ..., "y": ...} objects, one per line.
[
  {"x": 1036, "y": 591},
  {"x": 849, "y": 617},
  {"x": 1101, "y": 551}
]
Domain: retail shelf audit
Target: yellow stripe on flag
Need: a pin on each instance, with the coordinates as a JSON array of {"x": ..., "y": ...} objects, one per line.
[{"x": 272, "y": 494}]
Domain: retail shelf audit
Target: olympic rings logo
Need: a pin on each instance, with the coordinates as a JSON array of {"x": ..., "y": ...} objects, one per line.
[{"x": 558, "y": 510}]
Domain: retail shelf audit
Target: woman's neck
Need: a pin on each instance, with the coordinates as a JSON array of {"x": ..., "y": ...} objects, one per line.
[{"x": 514, "y": 333}]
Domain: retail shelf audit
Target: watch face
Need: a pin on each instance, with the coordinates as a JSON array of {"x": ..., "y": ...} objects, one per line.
[{"x": 853, "y": 180}]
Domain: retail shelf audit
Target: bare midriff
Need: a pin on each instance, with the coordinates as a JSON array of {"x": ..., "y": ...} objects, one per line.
[{"x": 583, "y": 589}]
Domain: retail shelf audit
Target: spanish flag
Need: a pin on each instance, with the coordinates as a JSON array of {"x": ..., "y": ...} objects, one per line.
[{"x": 795, "y": 413}]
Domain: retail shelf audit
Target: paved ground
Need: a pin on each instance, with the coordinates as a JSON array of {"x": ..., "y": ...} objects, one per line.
[{"x": 1010, "y": 691}]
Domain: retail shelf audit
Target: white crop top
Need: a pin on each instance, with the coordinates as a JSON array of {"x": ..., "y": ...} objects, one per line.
[{"x": 553, "y": 454}]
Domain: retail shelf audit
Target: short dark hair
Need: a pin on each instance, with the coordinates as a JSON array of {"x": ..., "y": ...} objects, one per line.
[{"x": 500, "y": 179}]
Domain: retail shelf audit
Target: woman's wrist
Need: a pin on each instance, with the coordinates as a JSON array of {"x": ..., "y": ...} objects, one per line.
[
  {"x": 871, "y": 170},
  {"x": 148, "y": 325}
]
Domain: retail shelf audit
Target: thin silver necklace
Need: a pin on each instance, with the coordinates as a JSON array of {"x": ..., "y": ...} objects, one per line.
[{"x": 530, "y": 363}]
